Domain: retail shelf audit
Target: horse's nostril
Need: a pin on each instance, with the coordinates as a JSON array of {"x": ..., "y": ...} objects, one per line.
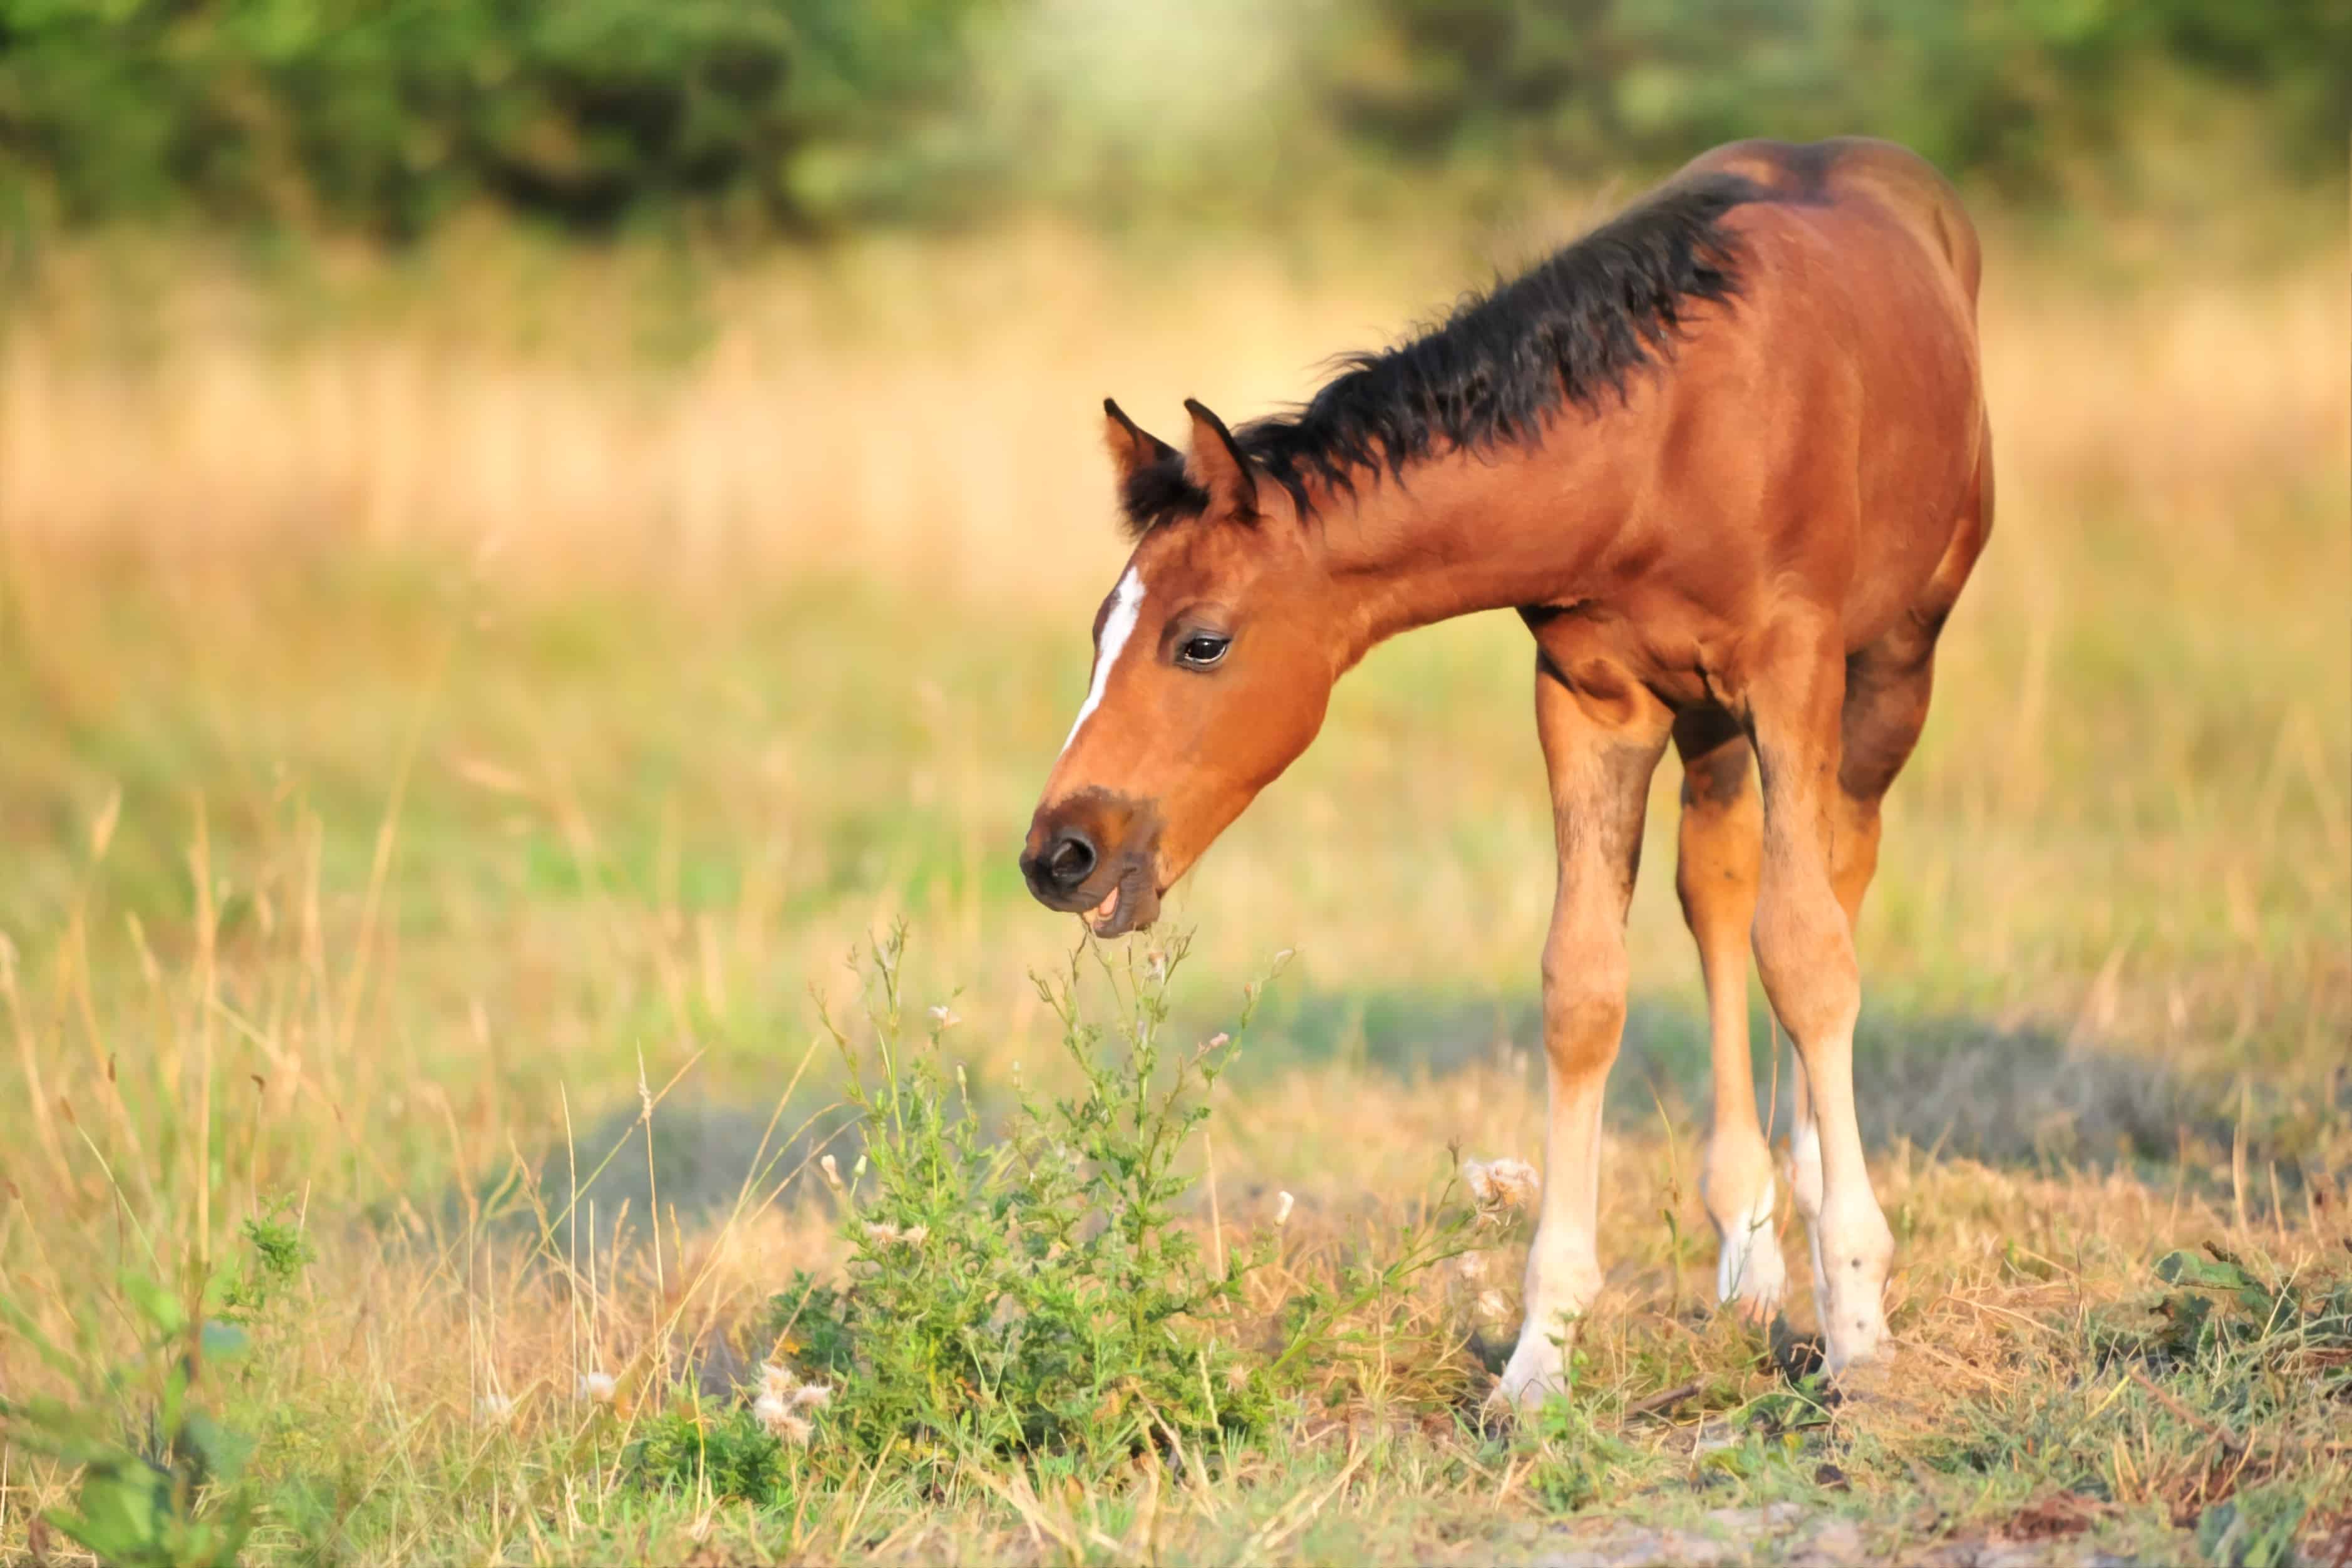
[{"x": 1071, "y": 860}]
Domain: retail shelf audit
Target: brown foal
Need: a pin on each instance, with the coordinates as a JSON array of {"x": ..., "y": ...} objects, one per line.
[{"x": 1727, "y": 457}]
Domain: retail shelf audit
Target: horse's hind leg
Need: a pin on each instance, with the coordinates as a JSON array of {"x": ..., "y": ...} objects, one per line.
[
  {"x": 1804, "y": 949},
  {"x": 1887, "y": 690},
  {"x": 1884, "y": 707},
  {"x": 1720, "y": 860},
  {"x": 1887, "y": 686}
]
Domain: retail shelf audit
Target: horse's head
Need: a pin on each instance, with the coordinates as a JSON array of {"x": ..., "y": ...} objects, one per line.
[{"x": 1213, "y": 662}]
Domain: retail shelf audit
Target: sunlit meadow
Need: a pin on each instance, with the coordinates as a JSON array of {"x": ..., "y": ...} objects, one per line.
[{"x": 458, "y": 719}]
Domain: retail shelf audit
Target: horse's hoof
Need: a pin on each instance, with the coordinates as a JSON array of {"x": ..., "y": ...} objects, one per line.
[
  {"x": 1527, "y": 1380},
  {"x": 1870, "y": 1378}
]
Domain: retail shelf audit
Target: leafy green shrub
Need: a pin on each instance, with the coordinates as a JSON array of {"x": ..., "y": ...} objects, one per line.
[
  {"x": 276, "y": 1253},
  {"x": 684, "y": 1447},
  {"x": 162, "y": 1473},
  {"x": 1031, "y": 1290},
  {"x": 165, "y": 1493}
]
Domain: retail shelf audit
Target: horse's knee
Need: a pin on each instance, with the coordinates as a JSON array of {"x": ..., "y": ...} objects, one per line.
[
  {"x": 1584, "y": 1000},
  {"x": 1736, "y": 1168},
  {"x": 1804, "y": 952}
]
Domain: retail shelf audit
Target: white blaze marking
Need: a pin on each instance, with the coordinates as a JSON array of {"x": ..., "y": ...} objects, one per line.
[{"x": 1125, "y": 604}]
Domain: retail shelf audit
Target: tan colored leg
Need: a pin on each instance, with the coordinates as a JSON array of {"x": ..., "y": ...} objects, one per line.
[
  {"x": 1716, "y": 874},
  {"x": 1882, "y": 708},
  {"x": 1601, "y": 741},
  {"x": 1804, "y": 949},
  {"x": 1885, "y": 708}
]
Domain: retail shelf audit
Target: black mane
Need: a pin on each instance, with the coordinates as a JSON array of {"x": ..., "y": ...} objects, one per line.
[{"x": 1572, "y": 329}]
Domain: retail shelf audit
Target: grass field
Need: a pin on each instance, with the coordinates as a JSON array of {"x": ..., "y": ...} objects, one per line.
[{"x": 453, "y": 717}]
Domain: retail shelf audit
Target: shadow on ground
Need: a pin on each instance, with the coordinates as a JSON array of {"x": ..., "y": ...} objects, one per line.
[
  {"x": 1950, "y": 1087},
  {"x": 1956, "y": 1086}
]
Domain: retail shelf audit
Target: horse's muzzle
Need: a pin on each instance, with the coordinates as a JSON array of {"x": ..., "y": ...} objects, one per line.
[{"x": 1095, "y": 853}]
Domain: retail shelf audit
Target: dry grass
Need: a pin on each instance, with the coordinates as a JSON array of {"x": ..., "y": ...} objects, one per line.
[
  {"x": 931, "y": 405},
  {"x": 512, "y": 676}
]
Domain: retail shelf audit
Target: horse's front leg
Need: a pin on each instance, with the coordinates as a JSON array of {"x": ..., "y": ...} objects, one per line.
[{"x": 1603, "y": 734}]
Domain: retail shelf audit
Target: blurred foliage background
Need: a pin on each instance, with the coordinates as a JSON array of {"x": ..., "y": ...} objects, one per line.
[{"x": 803, "y": 117}]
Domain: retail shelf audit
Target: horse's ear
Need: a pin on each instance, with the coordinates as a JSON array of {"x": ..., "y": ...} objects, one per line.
[
  {"x": 1132, "y": 448},
  {"x": 1218, "y": 465}
]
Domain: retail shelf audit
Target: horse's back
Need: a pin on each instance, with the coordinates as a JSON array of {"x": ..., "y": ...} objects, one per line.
[
  {"x": 1858, "y": 325},
  {"x": 1861, "y": 248},
  {"x": 1849, "y": 171}
]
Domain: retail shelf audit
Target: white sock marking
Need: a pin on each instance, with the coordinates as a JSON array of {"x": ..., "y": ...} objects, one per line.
[
  {"x": 1125, "y": 604},
  {"x": 1749, "y": 1263},
  {"x": 1805, "y": 1169}
]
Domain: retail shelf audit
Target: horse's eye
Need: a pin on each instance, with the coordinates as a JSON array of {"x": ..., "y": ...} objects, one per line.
[{"x": 1202, "y": 651}]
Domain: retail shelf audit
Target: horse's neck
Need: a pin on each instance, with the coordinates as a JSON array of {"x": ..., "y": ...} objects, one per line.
[{"x": 1465, "y": 533}]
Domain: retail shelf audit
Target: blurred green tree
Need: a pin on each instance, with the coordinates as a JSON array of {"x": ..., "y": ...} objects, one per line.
[
  {"x": 387, "y": 113},
  {"x": 804, "y": 116},
  {"x": 2005, "y": 88}
]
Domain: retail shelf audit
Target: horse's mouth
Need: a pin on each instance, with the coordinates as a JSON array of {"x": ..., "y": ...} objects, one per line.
[{"x": 1132, "y": 904}]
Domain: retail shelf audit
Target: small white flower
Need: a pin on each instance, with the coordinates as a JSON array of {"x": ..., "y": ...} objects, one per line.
[
  {"x": 1472, "y": 1267},
  {"x": 494, "y": 1409},
  {"x": 1498, "y": 1184},
  {"x": 945, "y": 1017},
  {"x": 1491, "y": 1306},
  {"x": 782, "y": 1398},
  {"x": 596, "y": 1387},
  {"x": 1219, "y": 1041},
  {"x": 1282, "y": 1208},
  {"x": 776, "y": 1408},
  {"x": 832, "y": 1172},
  {"x": 893, "y": 1235}
]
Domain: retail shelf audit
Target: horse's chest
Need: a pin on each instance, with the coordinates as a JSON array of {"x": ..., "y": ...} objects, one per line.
[{"x": 1593, "y": 646}]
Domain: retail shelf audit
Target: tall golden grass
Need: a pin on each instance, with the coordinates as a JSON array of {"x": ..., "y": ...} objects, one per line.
[
  {"x": 928, "y": 411},
  {"x": 2158, "y": 628}
]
